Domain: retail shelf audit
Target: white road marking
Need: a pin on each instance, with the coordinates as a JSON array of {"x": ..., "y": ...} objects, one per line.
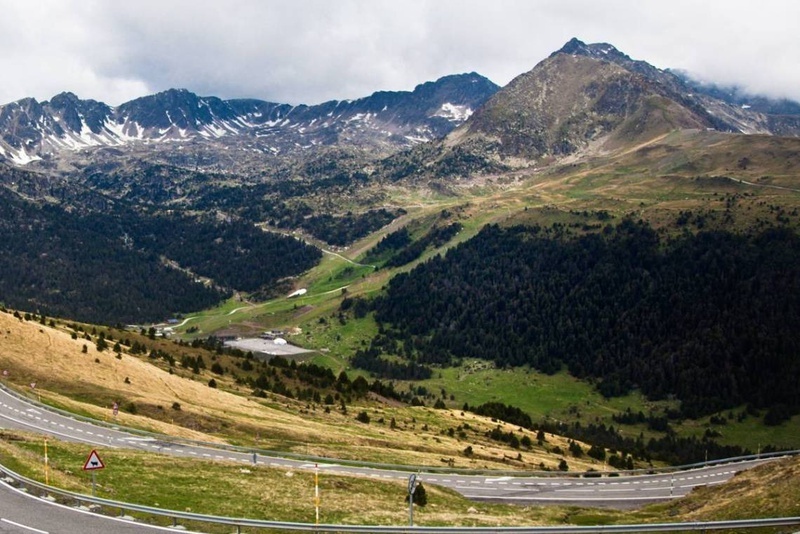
[
  {"x": 589, "y": 490},
  {"x": 55, "y": 433},
  {"x": 20, "y": 525},
  {"x": 715, "y": 483},
  {"x": 485, "y": 488},
  {"x": 535, "y": 498}
]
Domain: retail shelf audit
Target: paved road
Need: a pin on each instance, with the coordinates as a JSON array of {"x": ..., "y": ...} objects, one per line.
[
  {"x": 618, "y": 492},
  {"x": 21, "y": 513}
]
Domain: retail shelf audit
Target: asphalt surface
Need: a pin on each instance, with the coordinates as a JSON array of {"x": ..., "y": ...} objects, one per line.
[
  {"x": 22, "y": 513},
  {"x": 604, "y": 491}
]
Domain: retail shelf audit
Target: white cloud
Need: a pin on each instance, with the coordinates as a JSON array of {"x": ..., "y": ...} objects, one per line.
[{"x": 308, "y": 51}]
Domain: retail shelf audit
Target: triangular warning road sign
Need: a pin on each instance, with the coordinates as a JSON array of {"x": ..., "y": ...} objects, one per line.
[{"x": 93, "y": 462}]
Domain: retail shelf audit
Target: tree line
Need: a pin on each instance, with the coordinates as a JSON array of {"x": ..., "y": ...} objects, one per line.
[
  {"x": 234, "y": 253},
  {"x": 710, "y": 318},
  {"x": 668, "y": 448},
  {"x": 399, "y": 249}
]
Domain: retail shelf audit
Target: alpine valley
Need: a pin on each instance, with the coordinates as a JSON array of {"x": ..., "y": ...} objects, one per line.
[{"x": 601, "y": 249}]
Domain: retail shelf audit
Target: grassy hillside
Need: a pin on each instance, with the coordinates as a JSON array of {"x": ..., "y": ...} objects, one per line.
[
  {"x": 157, "y": 396},
  {"x": 771, "y": 490},
  {"x": 680, "y": 182},
  {"x": 206, "y": 487},
  {"x": 683, "y": 181}
]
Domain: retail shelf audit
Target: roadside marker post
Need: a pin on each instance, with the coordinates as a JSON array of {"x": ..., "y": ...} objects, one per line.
[
  {"x": 412, "y": 485},
  {"x": 93, "y": 463},
  {"x": 46, "y": 465},
  {"x": 316, "y": 493}
]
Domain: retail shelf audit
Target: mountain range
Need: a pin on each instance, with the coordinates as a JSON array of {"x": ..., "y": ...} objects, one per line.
[
  {"x": 581, "y": 95},
  {"x": 330, "y": 171},
  {"x": 32, "y": 130}
]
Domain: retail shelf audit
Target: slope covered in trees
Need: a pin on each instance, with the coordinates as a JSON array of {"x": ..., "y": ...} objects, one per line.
[
  {"x": 54, "y": 263},
  {"x": 400, "y": 249},
  {"x": 235, "y": 254},
  {"x": 111, "y": 268},
  {"x": 710, "y": 318}
]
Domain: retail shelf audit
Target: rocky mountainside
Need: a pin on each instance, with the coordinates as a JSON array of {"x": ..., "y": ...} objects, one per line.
[
  {"x": 33, "y": 131},
  {"x": 584, "y": 95},
  {"x": 738, "y": 96}
]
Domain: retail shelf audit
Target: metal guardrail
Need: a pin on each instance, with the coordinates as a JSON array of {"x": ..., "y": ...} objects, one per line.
[
  {"x": 16, "y": 479},
  {"x": 240, "y": 523},
  {"x": 394, "y": 467}
]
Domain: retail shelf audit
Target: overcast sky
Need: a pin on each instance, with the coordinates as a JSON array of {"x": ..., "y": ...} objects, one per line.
[{"x": 310, "y": 51}]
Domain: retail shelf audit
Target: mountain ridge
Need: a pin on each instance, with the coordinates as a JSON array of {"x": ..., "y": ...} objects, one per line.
[
  {"x": 32, "y": 130},
  {"x": 581, "y": 99},
  {"x": 726, "y": 111},
  {"x": 390, "y": 121}
]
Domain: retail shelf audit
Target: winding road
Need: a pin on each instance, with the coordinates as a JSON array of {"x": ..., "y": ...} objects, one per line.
[{"x": 607, "y": 491}]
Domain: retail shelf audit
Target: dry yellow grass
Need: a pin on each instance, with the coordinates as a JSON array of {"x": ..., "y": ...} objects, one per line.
[
  {"x": 770, "y": 490},
  {"x": 33, "y": 352}
]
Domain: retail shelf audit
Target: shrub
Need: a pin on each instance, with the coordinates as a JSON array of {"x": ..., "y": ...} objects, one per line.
[
  {"x": 420, "y": 495},
  {"x": 363, "y": 417}
]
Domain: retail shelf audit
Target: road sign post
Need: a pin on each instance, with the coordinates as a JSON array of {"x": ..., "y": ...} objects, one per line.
[
  {"x": 412, "y": 485},
  {"x": 93, "y": 463}
]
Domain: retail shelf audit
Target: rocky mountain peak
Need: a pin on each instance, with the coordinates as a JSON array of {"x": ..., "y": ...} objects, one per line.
[
  {"x": 576, "y": 47},
  {"x": 74, "y": 114},
  {"x": 582, "y": 95},
  {"x": 178, "y": 108}
]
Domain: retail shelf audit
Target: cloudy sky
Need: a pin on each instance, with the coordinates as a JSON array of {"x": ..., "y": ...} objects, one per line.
[{"x": 310, "y": 51}]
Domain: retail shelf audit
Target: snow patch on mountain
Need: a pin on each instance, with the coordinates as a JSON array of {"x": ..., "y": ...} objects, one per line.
[
  {"x": 453, "y": 112},
  {"x": 21, "y": 157}
]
